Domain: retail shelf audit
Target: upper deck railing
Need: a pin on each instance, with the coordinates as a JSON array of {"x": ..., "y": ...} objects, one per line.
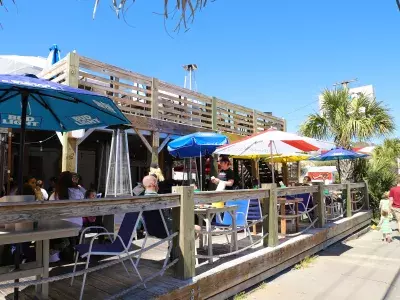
[{"x": 145, "y": 96}]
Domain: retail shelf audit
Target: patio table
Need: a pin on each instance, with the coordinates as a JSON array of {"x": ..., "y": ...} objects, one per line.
[
  {"x": 207, "y": 214},
  {"x": 45, "y": 231},
  {"x": 283, "y": 202}
]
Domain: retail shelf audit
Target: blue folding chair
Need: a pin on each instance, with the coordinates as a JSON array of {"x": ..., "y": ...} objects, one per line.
[
  {"x": 305, "y": 204},
  {"x": 120, "y": 245},
  {"x": 254, "y": 213},
  {"x": 241, "y": 217}
]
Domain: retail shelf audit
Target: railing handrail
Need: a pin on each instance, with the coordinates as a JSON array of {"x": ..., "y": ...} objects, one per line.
[
  {"x": 207, "y": 112},
  {"x": 12, "y": 212},
  {"x": 223, "y": 196},
  {"x": 182, "y": 203}
]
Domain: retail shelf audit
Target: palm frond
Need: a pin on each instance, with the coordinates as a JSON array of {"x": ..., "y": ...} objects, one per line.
[
  {"x": 187, "y": 8},
  {"x": 315, "y": 126}
]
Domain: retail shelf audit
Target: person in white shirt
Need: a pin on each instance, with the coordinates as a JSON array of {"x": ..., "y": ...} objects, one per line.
[
  {"x": 39, "y": 184},
  {"x": 68, "y": 188}
]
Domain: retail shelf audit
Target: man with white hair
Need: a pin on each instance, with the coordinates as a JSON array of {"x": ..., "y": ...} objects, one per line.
[{"x": 151, "y": 185}]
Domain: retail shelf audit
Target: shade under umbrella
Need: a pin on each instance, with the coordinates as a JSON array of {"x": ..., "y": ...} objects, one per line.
[{"x": 27, "y": 102}]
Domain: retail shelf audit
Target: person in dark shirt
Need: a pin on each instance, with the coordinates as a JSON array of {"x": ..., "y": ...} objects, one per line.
[{"x": 225, "y": 174}]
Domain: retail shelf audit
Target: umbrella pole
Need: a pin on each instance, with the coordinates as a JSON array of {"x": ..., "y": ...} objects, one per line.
[
  {"x": 201, "y": 172},
  {"x": 272, "y": 163},
  {"x": 340, "y": 176},
  {"x": 24, "y": 96},
  {"x": 9, "y": 158}
]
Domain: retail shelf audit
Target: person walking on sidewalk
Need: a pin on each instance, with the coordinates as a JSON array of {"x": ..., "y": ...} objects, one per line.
[{"x": 394, "y": 200}]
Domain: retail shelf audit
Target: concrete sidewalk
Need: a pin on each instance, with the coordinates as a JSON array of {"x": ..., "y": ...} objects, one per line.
[{"x": 365, "y": 268}]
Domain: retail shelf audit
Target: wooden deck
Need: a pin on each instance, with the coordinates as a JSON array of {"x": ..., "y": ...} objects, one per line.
[
  {"x": 220, "y": 280},
  {"x": 110, "y": 281}
]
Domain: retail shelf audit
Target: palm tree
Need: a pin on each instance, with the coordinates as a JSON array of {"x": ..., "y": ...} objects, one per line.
[
  {"x": 381, "y": 170},
  {"x": 347, "y": 119},
  {"x": 186, "y": 8}
]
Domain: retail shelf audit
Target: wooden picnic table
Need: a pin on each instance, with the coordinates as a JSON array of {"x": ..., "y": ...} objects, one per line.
[
  {"x": 206, "y": 214},
  {"x": 283, "y": 202},
  {"x": 45, "y": 231}
]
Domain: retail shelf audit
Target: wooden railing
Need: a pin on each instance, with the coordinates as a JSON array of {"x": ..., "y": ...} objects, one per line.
[
  {"x": 182, "y": 203},
  {"x": 145, "y": 96}
]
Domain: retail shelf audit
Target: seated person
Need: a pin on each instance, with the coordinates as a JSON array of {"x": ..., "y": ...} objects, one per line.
[{"x": 154, "y": 222}]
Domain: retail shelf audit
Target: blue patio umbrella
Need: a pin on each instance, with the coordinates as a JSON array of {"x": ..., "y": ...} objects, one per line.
[
  {"x": 338, "y": 154},
  {"x": 27, "y": 102},
  {"x": 196, "y": 144}
]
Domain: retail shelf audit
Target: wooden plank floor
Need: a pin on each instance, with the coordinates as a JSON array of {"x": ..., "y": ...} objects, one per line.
[{"x": 107, "y": 282}]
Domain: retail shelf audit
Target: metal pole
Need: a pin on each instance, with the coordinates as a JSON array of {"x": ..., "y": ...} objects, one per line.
[
  {"x": 116, "y": 163},
  {"x": 128, "y": 163},
  {"x": 121, "y": 170},
  {"x": 201, "y": 172},
  {"x": 9, "y": 160},
  {"x": 112, "y": 152},
  {"x": 24, "y": 98},
  {"x": 190, "y": 78}
]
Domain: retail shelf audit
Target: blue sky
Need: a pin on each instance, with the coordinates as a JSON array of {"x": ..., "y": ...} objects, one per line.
[{"x": 269, "y": 55}]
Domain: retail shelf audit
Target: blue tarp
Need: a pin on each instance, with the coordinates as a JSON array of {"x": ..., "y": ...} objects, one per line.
[{"x": 54, "y": 55}]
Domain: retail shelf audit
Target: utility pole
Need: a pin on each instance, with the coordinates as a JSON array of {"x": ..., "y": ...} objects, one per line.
[{"x": 345, "y": 83}]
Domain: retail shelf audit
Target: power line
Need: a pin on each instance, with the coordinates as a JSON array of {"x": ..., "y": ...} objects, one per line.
[{"x": 300, "y": 108}]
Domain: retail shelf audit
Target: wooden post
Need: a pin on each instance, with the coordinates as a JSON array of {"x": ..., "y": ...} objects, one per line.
[
  {"x": 319, "y": 198},
  {"x": 69, "y": 144},
  {"x": 184, "y": 244},
  {"x": 270, "y": 224},
  {"x": 214, "y": 115},
  {"x": 298, "y": 171},
  {"x": 69, "y": 153},
  {"x": 255, "y": 165},
  {"x": 285, "y": 174},
  {"x": 154, "y": 98},
  {"x": 366, "y": 195},
  {"x": 348, "y": 200},
  {"x": 154, "y": 146},
  {"x": 72, "y": 78}
]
